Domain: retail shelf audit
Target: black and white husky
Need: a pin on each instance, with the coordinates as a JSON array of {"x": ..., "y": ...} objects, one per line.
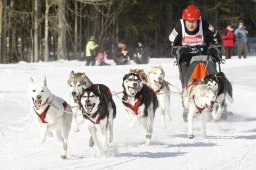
[
  {"x": 223, "y": 89},
  {"x": 77, "y": 82},
  {"x": 140, "y": 102},
  {"x": 99, "y": 110},
  {"x": 52, "y": 114}
]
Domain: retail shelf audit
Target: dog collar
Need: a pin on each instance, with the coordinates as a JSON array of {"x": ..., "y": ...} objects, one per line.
[
  {"x": 200, "y": 109},
  {"x": 97, "y": 121}
]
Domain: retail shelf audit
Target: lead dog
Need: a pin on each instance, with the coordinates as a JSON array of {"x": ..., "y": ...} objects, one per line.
[
  {"x": 198, "y": 97},
  {"x": 140, "y": 102},
  {"x": 157, "y": 82},
  {"x": 52, "y": 114},
  {"x": 77, "y": 82},
  {"x": 99, "y": 110},
  {"x": 223, "y": 88}
]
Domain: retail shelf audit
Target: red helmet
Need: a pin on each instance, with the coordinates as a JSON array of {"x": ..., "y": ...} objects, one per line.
[{"x": 191, "y": 13}]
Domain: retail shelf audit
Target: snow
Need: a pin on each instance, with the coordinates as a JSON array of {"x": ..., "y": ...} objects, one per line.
[{"x": 230, "y": 144}]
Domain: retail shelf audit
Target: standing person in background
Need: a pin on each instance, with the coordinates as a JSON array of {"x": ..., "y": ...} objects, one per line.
[
  {"x": 228, "y": 41},
  {"x": 241, "y": 39},
  {"x": 90, "y": 51}
]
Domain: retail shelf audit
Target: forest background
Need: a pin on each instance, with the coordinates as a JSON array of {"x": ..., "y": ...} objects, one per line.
[{"x": 47, "y": 30}]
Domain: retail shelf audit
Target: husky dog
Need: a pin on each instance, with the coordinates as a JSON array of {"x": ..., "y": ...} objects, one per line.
[
  {"x": 140, "y": 102},
  {"x": 198, "y": 97},
  {"x": 223, "y": 88},
  {"x": 99, "y": 109},
  {"x": 157, "y": 82},
  {"x": 52, "y": 114},
  {"x": 77, "y": 82}
]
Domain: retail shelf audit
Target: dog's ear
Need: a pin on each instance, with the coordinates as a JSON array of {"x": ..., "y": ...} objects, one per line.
[
  {"x": 72, "y": 73},
  {"x": 44, "y": 81},
  {"x": 83, "y": 75}
]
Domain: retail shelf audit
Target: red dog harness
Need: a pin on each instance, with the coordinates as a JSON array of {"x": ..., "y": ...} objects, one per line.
[
  {"x": 135, "y": 107},
  {"x": 43, "y": 114}
]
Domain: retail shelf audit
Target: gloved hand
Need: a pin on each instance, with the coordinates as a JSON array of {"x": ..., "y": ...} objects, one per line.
[
  {"x": 183, "y": 50},
  {"x": 214, "y": 53}
]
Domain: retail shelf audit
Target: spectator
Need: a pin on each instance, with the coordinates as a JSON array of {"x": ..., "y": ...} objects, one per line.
[
  {"x": 90, "y": 51},
  {"x": 142, "y": 54},
  {"x": 241, "y": 39},
  {"x": 101, "y": 58},
  {"x": 122, "y": 55},
  {"x": 228, "y": 41}
]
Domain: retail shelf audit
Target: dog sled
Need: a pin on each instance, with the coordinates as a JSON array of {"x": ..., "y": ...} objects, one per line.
[{"x": 200, "y": 65}]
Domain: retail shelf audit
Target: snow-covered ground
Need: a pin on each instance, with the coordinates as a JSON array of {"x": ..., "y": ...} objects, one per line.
[{"x": 230, "y": 144}]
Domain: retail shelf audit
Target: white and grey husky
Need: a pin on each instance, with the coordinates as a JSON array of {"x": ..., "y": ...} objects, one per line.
[
  {"x": 156, "y": 80},
  {"x": 198, "y": 97},
  {"x": 77, "y": 82},
  {"x": 52, "y": 114}
]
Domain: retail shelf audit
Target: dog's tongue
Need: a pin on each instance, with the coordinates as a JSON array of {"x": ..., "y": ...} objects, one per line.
[
  {"x": 37, "y": 103},
  {"x": 89, "y": 107},
  {"x": 158, "y": 83},
  {"x": 132, "y": 90}
]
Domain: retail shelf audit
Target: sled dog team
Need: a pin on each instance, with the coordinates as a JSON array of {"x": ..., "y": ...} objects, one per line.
[{"x": 142, "y": 95}]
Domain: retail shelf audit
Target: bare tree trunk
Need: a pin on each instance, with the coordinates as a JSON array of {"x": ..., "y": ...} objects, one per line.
[
  {"x": 62, "y": 50},
  {"x": 76, "y": 27},
  {"x": 1, "y": 21},
  {"x": 46, "y": 32},
  {"x": 36, "y": 31},
  {"x": 80, "y": 34},
  {"x": 3, "y": 34}
]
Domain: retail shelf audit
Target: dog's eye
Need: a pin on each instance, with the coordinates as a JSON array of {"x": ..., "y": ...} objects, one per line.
[
  {"x": 33, "y": 90},
  {"x": 42, "y": 91},
  {"x": 70, "y": 85},
  {"x": 93, "y": 96},
  {"x": 79, "y": 85}
]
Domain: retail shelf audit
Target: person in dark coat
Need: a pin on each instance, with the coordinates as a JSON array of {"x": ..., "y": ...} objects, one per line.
[
  {"x": 122, "y": 55},
  {"x": 191, "y": 31},
  {"x": 142, "y": 54}
]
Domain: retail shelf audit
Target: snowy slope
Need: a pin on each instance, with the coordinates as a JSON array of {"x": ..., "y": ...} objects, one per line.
[{"x": 230, "y": 144}]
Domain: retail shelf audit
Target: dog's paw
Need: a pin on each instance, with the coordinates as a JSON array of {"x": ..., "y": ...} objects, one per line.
[
  {"x": 148, "y": 136},
  {"x": 63, "y": 156},
  {"x": 191, "y": 136}
]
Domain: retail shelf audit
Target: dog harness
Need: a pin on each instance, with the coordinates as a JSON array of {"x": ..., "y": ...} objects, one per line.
[
  {"x": 97, "y": 121},
  {"x": 135, "y": 107},
  {"x": 43, "y": 114}
]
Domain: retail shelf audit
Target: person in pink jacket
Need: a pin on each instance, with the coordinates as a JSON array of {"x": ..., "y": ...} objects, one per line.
[
  {"x": 101, "y": 58},
  {"x": 228, "y": 41}
]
